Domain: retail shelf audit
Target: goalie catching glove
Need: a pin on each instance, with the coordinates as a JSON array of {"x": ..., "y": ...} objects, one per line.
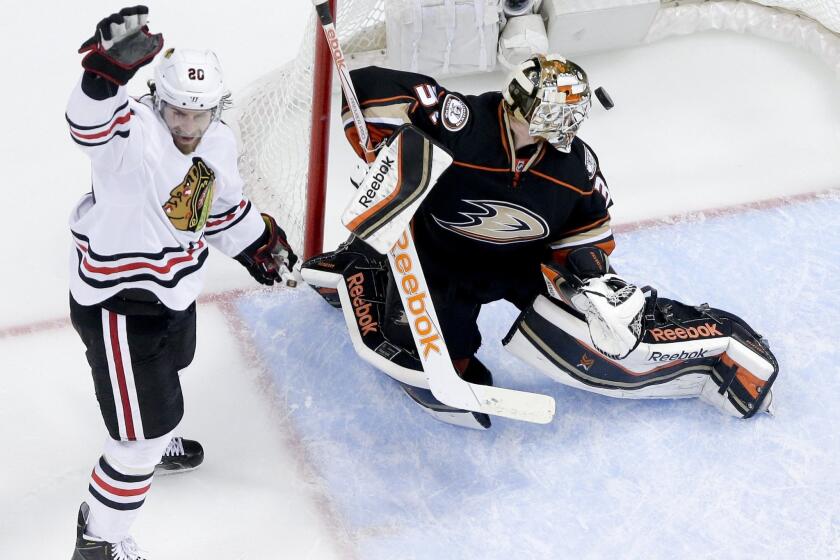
[
  {"x": 613, "y": 308},
  {"x": 121, "y": 45},
  {"x": 270, "y": 257}
]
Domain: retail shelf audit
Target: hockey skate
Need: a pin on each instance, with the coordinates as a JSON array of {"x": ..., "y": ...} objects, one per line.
[
  {"x": 181, "y": 455},
  {"x": 90, "y": 548},
  {"x": 477, "y": 373}
]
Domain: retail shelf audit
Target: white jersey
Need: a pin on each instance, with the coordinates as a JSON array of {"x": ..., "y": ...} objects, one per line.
[{"x": 152, "y": 210}]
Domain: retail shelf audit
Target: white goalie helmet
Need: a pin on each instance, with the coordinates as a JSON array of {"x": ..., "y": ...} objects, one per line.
[
  {"x": 190, "y": 81},
  {"x": 552, "y": 95}
]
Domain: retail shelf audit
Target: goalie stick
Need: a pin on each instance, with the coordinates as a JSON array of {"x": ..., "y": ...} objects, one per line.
[{"x": 445, "y": 383}]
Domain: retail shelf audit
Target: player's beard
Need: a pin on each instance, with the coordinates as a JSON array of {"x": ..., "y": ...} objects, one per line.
[{"x": 185, "y": 143}]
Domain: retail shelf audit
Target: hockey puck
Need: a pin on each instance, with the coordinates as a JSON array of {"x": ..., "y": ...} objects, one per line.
[{"x": 604, "y": 98}]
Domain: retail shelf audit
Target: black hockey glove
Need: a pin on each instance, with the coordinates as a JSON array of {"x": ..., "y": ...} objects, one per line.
[
  {"x": 270, "y": 256},
  {"x": 121, "y": 45}
]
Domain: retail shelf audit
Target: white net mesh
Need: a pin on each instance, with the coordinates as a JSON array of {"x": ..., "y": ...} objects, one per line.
[
  {"x": 786, "y": 21},
  {"x": 273, "y": 114},
  {"x": 274, "y": 117},
  {"x": 272, "y": 121},
  {"x": 826, "y": 12}
]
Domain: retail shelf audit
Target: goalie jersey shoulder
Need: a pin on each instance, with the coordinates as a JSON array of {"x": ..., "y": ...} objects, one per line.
[{"x": 391, "y": 98}]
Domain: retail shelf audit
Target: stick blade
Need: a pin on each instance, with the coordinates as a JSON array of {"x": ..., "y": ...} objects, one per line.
[
  {"x": 517, "y": 405},
  {"x": 496, "y": 401}
]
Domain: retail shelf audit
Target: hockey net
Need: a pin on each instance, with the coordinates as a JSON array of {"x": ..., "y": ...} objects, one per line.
[
  {"x": 286, "y": 177},
  {"x": 274, "y": 162}
]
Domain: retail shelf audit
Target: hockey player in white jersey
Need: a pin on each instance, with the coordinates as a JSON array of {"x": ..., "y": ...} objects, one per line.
[{"x": 164, "y": 186}]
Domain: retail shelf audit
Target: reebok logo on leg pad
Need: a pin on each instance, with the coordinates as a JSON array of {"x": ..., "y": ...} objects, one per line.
[
  {"x": 662, "y": 357},
  {"x": 707, "y": 330},
  {"x": 361, "y": 307}
]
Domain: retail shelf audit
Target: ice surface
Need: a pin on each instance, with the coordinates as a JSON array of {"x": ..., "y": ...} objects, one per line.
[
  {"x": 608, "y": 478},
  {"x": 312, "y": 454}
]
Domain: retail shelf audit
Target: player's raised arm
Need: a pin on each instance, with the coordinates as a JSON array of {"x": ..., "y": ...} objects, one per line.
[
  {"x": 390, "y": 99},
  {"x": 98, "y": 112}
]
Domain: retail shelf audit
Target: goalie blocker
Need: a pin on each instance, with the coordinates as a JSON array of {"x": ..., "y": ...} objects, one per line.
[
  {"x": 681, "y": 351},
  {"x": 405, "y": 169}
]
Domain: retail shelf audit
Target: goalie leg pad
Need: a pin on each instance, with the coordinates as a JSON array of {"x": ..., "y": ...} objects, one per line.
[
  {"x": 555, "y": 340},
  {"x": 324, "y": 272},
  {"x": 713, "y": 355},
  {"x": 741, "y": 380},
  {"x": 361, "y": 293},
  {"x": 353, "y": 279}
]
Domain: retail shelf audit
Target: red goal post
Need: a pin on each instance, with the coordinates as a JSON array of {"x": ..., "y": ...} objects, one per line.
[
  {"x": 319, "y": 148},
  {"x": 288, "y": 178}
]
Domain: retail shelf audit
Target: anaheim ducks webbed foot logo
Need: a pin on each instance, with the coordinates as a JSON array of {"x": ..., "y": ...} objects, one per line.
[
  {"x": 498, "y": 222},
  {"x": 189, "y": 203}
]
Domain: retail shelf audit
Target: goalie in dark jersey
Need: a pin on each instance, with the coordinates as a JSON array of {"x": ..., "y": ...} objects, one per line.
[{"x": 523, "y": 203}]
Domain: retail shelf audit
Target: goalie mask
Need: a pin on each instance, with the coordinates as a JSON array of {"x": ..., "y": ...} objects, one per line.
[
  {"x": 552, "y": 95},
  {"x": 189, "y": 91}
]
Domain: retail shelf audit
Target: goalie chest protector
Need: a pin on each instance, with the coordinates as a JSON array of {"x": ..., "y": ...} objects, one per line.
[{"x": 496, "y": 213}]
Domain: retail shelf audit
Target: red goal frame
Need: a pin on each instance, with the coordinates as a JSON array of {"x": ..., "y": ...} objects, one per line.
[{"x": 319, "y": 144}]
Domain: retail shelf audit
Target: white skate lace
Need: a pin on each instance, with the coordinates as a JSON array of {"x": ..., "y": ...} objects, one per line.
[
  {"x": 175, "y": 447},
  {"x": 126, "y": 549}
]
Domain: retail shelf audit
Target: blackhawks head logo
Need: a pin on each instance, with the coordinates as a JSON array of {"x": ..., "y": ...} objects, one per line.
[{"x": 189, "y": 203}]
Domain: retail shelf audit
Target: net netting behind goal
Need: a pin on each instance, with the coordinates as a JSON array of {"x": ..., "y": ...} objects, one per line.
[
  {"x": 275, "y": 113},
  {"x": 274, "y": 117},
  {"x": 826, "y": 12}
]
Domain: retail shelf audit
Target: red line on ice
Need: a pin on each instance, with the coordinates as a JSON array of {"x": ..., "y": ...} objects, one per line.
[{"x": 229, "y": 296}]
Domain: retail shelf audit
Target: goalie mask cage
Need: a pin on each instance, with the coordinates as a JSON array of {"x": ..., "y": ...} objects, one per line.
[{"x": 287, "y": 177}]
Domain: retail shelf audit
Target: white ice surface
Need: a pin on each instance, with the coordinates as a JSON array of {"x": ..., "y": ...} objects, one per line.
[
  {"x": 608, "y": 478},
  {"x": 311, "y": 454},
  {"x": 255, "y": 490}
]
